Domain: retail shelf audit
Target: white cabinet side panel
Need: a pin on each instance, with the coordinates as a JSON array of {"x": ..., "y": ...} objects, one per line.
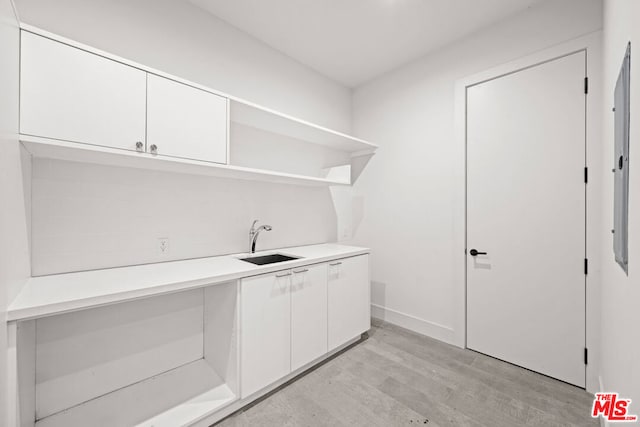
[
  {"x": 221, "y": 331},
  {"x": 26, "y": 360}
]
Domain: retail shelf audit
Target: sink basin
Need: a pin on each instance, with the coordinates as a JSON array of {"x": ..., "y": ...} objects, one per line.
[{"x": 268, "y": 259}]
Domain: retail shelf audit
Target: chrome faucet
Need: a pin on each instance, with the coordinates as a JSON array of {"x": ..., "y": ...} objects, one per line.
[{"x": 253, "y": 235}]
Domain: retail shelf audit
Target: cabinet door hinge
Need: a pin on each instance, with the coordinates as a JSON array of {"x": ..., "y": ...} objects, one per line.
[
  {"x": 586, "y": 356},
  {"x": 586, "y": 266},
  {"x": 586, "y": 85},
  {"x": 586, "y": 175}
]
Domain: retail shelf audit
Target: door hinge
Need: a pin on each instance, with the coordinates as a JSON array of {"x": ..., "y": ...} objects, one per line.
[
  {"x": 586, "y": 356},
  {"x": 586, "y": 175},
  {"x": 586, "y": 266},
  {"x": 586, "y": 85}
]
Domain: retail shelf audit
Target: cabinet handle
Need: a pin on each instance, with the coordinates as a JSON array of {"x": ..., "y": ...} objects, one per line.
[
  {"x": 335, "y": 263},
  {"x": 283, "y": 275},
  {"x": 154, "y": 149},
  {"x": 139, "y": 147},
  {"x": 301, "y": 271}
]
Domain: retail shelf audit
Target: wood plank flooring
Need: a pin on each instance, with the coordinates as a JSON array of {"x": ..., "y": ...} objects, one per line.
[{"x": 399, "y": 378}]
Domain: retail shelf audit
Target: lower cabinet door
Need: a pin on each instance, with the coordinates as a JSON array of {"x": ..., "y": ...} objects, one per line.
[
  {"x": 308, "y": 314},
  {"x": 349, "y": 307},
  {"x": 265, "y": 330}
]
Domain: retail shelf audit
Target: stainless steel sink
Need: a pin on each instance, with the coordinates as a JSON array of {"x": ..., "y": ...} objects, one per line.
[{"x": 268, "y": 259}]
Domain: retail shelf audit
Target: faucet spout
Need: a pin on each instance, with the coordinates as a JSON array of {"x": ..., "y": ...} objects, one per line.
[{"x": 253, "y": 235}]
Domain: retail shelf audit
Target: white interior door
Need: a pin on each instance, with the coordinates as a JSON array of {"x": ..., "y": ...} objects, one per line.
[{"x": 526, "y": 210}]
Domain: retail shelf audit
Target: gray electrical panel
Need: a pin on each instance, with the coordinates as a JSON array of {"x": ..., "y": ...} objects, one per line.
[{"x": 621, "y": 166}]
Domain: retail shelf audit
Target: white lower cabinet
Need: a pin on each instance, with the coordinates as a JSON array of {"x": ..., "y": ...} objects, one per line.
[
  {"x": 266, "y": 330},
  {"x": 184, "y": 358},
  {"x": 293, "y": 317},
  {"x": 349, "y": 308},
  {"x": 308, "y": 314}
]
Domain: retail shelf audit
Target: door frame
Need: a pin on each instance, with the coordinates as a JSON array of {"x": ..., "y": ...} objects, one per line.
[
  {"x": 591, "y": 44},
  {"x": 576, "y": 73}
]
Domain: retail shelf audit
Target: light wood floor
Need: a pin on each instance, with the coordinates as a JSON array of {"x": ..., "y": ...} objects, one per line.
[{"x": 398, "y": 378}]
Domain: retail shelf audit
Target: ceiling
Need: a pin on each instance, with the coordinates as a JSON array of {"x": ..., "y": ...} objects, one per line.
[{"x": 353, "y": 41}]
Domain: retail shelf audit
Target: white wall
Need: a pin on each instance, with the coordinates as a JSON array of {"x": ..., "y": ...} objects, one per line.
[
  {"x": 412, "y": 192},
  {"x": 621, "y": 293},
  {"x": 87, "y": 217},
  {"x": 14, "y": 251},
  {"x": 176, "y": 37}
]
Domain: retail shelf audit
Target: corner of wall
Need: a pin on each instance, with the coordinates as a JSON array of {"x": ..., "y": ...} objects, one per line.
[{"x": 14, "y": 250}]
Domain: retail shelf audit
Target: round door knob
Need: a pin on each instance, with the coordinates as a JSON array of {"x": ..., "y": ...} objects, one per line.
[
  {"x": 154, "y": 149},
  {"x": 139, "y": 146}
]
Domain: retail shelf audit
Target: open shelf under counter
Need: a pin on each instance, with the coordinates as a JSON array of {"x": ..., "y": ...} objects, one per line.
[
  {"x": 210, "y": 394},
  {"x": 87, "y": 153},
  {"x": 166, "y": 360}
]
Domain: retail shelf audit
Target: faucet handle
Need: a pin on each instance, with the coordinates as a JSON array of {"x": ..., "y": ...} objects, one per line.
[{"x": 253, "y": 226}]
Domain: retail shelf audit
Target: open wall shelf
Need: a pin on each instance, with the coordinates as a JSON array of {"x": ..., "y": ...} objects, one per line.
[
  {"x": 86, "y": 153},
  {"x": 256, "y": 116}
]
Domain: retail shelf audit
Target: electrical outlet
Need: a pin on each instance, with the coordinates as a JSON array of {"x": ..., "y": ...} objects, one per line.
[{"x": 163, "y": 245}]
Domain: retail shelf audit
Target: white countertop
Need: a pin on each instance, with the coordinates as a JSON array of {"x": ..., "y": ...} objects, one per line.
[{"x": 60, "y": 293}]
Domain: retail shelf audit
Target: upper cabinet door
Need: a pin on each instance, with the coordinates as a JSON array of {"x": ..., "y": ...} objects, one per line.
[
  {"x": 349, "y": 305},
  {"x": 69, "y": 94},
  {"x": 186, "y": 122}
]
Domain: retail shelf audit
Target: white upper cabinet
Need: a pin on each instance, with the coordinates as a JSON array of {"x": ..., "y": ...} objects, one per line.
[
  {"x": 82, "y": 104},
  {"x": 308, "y": 314},
  {"x": 348, "y": 299},
  {"x": 186, "y": 122},
  {"x": 70, "y": 94}
]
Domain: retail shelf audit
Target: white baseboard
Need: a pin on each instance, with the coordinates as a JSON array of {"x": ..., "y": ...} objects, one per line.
[{"x": 415, "y": 324}]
